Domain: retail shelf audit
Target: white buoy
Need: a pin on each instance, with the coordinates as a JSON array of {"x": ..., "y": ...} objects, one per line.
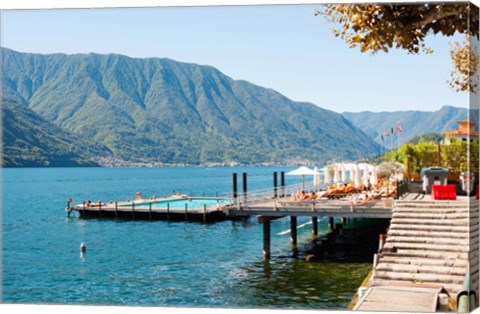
[{"x": 83, "y": 247}]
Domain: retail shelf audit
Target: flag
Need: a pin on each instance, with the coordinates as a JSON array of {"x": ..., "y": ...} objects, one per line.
[
  {"x": 386, "y": 133},
  {"x": 393, "y": 131},
  {"x": 399, "y": 128}
]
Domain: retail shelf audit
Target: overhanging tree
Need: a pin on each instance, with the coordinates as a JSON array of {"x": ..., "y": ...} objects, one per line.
[{"x": 381, "y": 27}]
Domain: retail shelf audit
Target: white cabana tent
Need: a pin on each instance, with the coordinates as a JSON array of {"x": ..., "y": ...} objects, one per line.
[{"x": 316, "y": 178}]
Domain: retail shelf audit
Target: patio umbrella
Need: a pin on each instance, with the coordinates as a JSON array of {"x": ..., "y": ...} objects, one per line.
[
  {"x": 302, "y": 171},
  {"x": 357, "y": 178},
  {"x": 374, "y": 177},
  {"x": 344, "y": 173},
  {"x": 336, "y": 176},
  {"x": 326, "y": 174},
  {"x": 316, "y": 178}
]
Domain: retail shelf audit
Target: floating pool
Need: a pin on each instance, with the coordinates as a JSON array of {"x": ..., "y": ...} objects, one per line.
[{"x": 180, "y": 203}]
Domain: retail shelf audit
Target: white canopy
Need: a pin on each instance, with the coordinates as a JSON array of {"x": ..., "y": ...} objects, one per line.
[
  {"x": 336, "y": 176},
  {"x": 357, "y": 178},
  {"x": 326, "y": 175},
  {"x": 302, "y": 171},
  {"x": 316, "y": 177}
]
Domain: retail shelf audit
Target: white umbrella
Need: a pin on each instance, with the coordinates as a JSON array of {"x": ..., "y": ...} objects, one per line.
[
  {"x": 352, "y": 172},
  {"x": 302, "y": 171},
  {"x": 366, "y": 176},
  {"x": 336, "y": 176},
  {"x": 344, "y": 173},
  {"x": 316, "y": 178},
  {"x": 326, "y": 174},
  {"x": 374, "y": 178},
  {"x": 357, "y": 178}
]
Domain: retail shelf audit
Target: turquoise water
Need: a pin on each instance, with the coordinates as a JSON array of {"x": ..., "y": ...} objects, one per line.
[
  {"x": 190, "y": 202},
  {"x": 154, "y": 263}
]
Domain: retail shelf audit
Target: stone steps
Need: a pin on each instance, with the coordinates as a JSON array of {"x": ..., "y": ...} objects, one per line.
[
  {"x": 435, "y": 216},
  {"x": 433, "y": 234},
  {"x": 434, "y": 222},
  {"x": 465, "y": 229},
  {"x": 419, "y": 277},
  {"x": 407, "y": 260},
  {"x": 416, "y": 269},
  {"x": 427, "y": 247},
  {"x": 429, "y": 240}
]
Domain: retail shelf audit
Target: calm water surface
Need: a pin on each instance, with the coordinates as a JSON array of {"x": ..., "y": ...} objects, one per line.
[{"x": 154, "y": 263}]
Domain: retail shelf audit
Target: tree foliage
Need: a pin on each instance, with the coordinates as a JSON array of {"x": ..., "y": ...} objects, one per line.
[{"x": 381, "y": 27}]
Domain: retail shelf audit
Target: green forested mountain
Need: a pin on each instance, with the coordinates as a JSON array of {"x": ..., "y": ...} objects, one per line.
[
  {"x": 29, "y": 140},
  {"x": 173, "y": 112},
  {"x": 413, "y": 123}
]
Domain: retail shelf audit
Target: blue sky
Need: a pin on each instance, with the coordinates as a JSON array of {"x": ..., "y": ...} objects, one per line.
[{"x": 284, "y": 47}]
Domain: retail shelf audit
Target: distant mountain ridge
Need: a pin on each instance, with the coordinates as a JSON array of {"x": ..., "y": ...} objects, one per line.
[
  {"x": 413, "y": 123},
  {"x": 173, "y": 112}
]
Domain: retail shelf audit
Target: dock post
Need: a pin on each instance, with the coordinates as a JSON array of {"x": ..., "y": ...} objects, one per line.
[
  {"x": 282, "y": 182},
  {"x": 186, "y": 212},
  {"x": 235, "y": 191},
  {"x": 204, "y": 213},
  {"x": 293, "y": 234},
  {"x": 314, "y": 227},
  {"x": 168, "y": 211},
  {"x": 244, "y": 186},
  {"x": 381, "y": 241},
  {"x": 116, "y": 210},
  {"x": 330, "y": 223},
  {"x": 266, "y": 239},
  {"x": 150, "y": 210},
  {"x": 275, "y": 184}
]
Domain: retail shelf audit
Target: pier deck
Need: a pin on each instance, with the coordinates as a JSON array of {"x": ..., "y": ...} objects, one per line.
[{"x": 312, "y": 208}]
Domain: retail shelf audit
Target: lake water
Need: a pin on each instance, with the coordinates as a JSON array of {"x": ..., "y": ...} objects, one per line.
[{"x": 158, "y": 263}]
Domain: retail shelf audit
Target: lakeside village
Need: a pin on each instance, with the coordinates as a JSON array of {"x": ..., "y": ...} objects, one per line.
[{"x": 427, "y": 259}]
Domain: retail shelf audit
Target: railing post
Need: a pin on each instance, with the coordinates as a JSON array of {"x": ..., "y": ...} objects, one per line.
[{"x": 282, "y": 182}]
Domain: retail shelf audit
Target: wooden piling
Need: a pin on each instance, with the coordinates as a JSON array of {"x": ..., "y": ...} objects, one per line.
[
  {"x": 275, "y": 184},
  {"x": 314, "y": 227},
  {"x": 244, "y": 177},
  {"x": 266, "y": 239},
  {"x": 204, "y": 213},
  {"x": 293, "y": 233},
  {"x": 235, "y": 190},
  {"x": 282, "y": 182},
  {"x": 330, "y": 223}
]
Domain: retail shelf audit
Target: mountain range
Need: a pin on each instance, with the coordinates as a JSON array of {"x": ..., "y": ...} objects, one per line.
[
  {"x": 413, "y": 123},
  {"x": 161, "y": 110}
]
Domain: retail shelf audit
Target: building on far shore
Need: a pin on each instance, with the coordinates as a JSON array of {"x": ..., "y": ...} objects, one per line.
[{"x": 465, "y": 132}]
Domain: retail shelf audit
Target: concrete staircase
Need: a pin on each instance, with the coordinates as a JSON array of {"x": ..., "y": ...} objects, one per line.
[{"x": 428, "y": 243}]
